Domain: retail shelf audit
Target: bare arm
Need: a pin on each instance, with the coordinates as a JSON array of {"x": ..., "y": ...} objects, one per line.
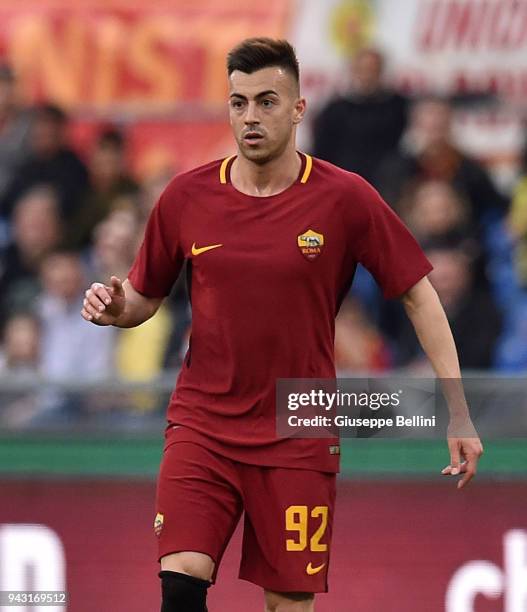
[
  {"x": 424, "y": 310},
  {"x": 118, "y": 304}
]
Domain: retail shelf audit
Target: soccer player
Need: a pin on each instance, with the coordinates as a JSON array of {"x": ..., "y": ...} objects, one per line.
[{"x": 272, "y": 238}]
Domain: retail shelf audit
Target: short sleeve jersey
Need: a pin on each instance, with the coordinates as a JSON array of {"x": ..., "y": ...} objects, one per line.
[{"x": 266, "y": 277}]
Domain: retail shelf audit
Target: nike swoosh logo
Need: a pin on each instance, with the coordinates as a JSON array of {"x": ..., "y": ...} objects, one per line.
[
  {"x": 310, "y": 570},
  {"x": 200, "y": 250}
]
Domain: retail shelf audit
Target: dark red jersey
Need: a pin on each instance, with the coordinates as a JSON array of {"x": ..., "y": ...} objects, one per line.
[{"x": 267, "y": 277}]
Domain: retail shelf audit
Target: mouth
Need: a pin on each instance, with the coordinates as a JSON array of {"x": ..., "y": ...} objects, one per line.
[{"x": 252, "y": 138}]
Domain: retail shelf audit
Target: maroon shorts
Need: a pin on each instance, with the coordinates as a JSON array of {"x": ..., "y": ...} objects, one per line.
[{"x": 201, "y": 496}]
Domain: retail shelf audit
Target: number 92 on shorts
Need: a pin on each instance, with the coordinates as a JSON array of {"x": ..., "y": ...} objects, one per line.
[{"x": 288, "y": 516}]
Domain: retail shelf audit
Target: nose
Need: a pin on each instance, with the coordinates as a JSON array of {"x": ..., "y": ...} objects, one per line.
[{"x": 251, "y": 116}]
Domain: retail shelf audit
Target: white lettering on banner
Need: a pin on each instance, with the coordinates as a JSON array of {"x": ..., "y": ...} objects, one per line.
[
  {"x": 31, "y": 558},
  {"x": 470, "y": 580},
  {"x": 483, "y": 577},
  {"x": 515, "y": 558}
]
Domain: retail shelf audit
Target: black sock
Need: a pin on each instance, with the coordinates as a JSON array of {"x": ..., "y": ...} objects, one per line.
[{"x": 183, "y": 593}]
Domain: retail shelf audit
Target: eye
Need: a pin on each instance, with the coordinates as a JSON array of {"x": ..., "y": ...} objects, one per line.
[
  {"x": 236, "y": 104},
  {"x": 267, "y": 103}
]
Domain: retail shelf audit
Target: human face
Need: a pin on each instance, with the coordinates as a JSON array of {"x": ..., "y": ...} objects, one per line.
[
  {"x": 107, "y": 164},
  {"x": 451, "y": 276},
  {"x": 47, "y": 136},
  {"x": 22, "y": 340},
  {"x": 36, "y": 225},
  {"x": 430, "y": 123},
  {"x": 436, "y": 209},
  {"x": 62, "y": 276},
  {"x": 264, "y": 109},
  {"x": 367, "y": 72}
]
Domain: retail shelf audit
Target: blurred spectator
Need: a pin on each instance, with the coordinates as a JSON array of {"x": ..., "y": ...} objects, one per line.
[
  {"x": 436, "y": 211},
  {"x": 15, "y": 124},
  {"x": 151, "y": 190},
  {"x": 437, "y": 214},
  {"x": 517, "y": 222},
  {"x": 72, "y": 349},
  {"x": 115, "y": 242},
  {"x": 109, "y": 181},
  {"x": 177, "y": 302},
  {"x": 50, "y": 161},
  {"x": 473, "y": 315},
  {"x": 20, "y": 355},
  {"x": 36, "y": 231},
  {"x": 139, "y": 351},
  {"x": 359, "y": 346},
  {"x": 20, "y": 362},
  {"x": 357, "y": 130},
  {"x": 428, "y": 152}
]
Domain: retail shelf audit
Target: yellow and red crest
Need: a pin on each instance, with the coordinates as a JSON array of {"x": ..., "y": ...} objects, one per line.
[
  {"x": 310, "y": 244},
  {"x": 158, "y": 523}
]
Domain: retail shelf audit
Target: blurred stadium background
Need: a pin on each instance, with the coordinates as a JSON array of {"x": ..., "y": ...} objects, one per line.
[{"x": 100, "y": 104}]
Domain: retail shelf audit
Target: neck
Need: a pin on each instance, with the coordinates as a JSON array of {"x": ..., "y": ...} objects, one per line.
[{"x": 270, "y": 178}]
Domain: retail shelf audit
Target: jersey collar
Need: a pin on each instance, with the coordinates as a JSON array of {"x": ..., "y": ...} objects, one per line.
[{"x": 303, "y": 175}]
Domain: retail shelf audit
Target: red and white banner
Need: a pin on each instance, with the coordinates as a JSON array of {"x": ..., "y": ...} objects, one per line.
[
  {"x": 157, "y": 67},
  {"x": 432, "y": 46},
  {"x": 398, "y": 547},
  {"x": 444, "y": 46},
  {"x": 134, "y": 61},
  {"x": 130, "y": 56}
]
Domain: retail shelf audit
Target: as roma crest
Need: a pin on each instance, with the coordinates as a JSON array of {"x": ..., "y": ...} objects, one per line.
[
  {"x": 310, "y": 244},
  {"x": 158, "y": 523}
]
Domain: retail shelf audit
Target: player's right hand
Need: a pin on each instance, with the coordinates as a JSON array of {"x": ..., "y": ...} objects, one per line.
[{"x": 102, "y": 304}]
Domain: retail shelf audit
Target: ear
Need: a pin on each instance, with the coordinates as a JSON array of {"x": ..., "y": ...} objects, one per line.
[{"x": 299, "y": 110}]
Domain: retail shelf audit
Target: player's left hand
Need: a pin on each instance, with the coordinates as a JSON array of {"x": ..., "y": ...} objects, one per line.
[{"x": 468, "y": 449}]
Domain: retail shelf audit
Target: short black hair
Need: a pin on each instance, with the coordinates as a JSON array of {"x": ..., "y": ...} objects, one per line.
[
  {"x": 111, "y": 138},
  {"x": 253, "y": 54},
  {"x": 51, "y": 112}
]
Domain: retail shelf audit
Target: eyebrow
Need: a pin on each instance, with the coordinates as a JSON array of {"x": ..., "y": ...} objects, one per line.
[{"x": 259, "y": 95}]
